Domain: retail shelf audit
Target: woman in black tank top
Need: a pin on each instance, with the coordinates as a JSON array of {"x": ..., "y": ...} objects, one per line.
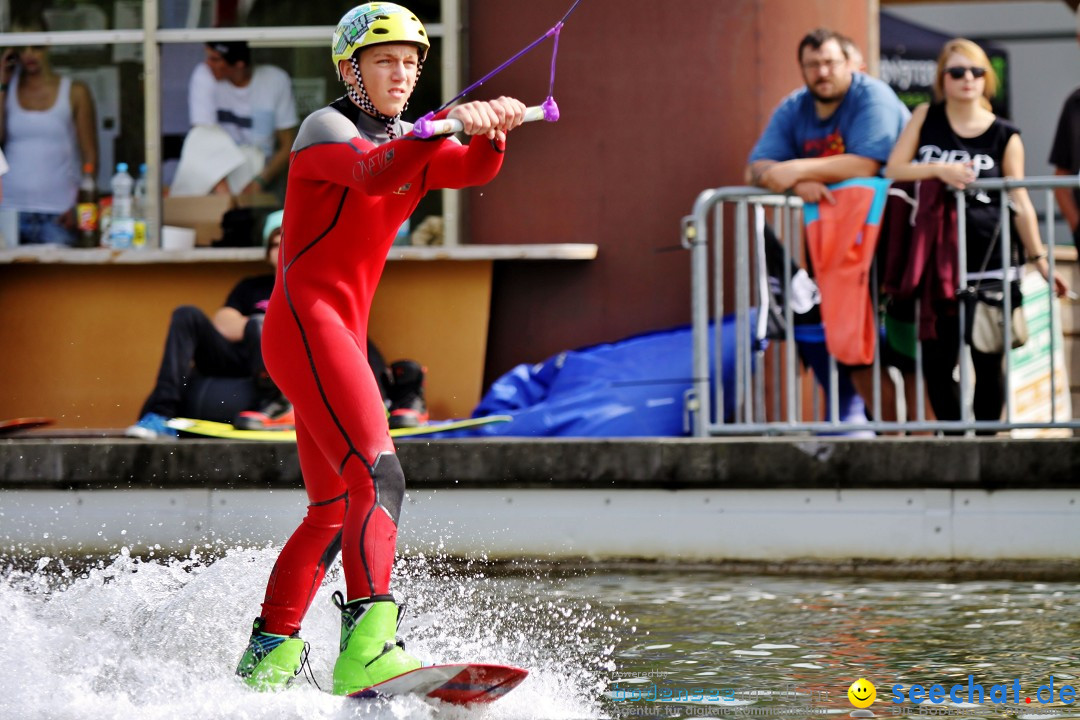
[{"x": 958, "y": 140}]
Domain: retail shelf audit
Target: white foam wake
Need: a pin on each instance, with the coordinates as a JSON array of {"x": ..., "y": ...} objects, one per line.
[{"x": 151, "y": 638}]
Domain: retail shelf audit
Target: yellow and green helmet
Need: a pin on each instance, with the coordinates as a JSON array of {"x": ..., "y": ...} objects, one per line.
[{"x": 375, "y": 23}]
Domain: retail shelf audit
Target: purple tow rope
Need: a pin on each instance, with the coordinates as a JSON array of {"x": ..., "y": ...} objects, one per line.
[{"x": 423, "y": 126}]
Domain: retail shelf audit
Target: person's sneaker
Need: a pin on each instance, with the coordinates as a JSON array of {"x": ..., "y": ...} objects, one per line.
[
  {"x": 150, "y": 426},
  {"x": 370, "y": 651},
  {"x": 270, "y": 661},
  {"x": 408, "y": 409},
  {"x": 274, "y": 415}
]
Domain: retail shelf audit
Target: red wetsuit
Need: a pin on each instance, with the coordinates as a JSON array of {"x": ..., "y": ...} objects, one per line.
[{"x": 349, "y": 191}]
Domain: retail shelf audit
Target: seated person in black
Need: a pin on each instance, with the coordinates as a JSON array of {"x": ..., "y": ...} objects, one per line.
[
  {"x": 230, "y": 345},
  {"x": 227, "y": 345}
]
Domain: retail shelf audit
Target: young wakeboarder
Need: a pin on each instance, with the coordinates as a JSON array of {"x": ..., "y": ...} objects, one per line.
[{"x": 356, "y": 173}]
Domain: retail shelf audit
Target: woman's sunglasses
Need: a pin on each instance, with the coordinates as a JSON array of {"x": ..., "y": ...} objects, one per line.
[{"x": 958, "y": 73}]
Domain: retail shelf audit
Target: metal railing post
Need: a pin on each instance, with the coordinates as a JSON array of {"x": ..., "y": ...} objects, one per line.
[
  {"x": 718, "y": 310},
  {"x": 699, "y": 310},
  {"x": 876, "y": 380},
  {"x": 1006, "y": 297},
  {"x": 961, "y": 311},
  {"x": 791, "y": 374},
  {"x": 742, "y": 304},
  {"x": 920, "y": 379},
  {"x": 1050, "y": 229}
]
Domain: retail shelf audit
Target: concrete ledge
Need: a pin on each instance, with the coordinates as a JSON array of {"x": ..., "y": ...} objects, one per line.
[
  {"x": 829, "y": 502},
  {"x": 655, "y": 463},
  {"x": 708, "y": 525},
  {"x": 54, "y": 255}
]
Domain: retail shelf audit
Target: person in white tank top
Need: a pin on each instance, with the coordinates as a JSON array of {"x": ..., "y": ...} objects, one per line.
[
  {"x": 3, "y": 170},
  {"x": 48, "y": 132}
]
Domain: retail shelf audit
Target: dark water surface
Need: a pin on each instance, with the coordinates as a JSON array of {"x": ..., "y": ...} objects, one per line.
[{"x": 127, "y": 637}]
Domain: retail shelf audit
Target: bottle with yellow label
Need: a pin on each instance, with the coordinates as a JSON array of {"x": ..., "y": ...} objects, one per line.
[
  {"x": 139, "y": 209},
  {"x": 86, "y": 207}
]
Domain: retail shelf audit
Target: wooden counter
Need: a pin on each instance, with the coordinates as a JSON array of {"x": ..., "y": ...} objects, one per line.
[{"x": 82, "y": 330}]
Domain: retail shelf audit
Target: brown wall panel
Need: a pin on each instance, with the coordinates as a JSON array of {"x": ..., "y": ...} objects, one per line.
[
  {"x": 83, "y": 342},
  {"x": 659, "y": 101}
]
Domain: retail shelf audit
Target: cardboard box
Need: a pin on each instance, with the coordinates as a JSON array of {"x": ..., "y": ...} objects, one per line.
[
  {"x": 257, "y": 200},
  {"x": 201, "y": 213}
]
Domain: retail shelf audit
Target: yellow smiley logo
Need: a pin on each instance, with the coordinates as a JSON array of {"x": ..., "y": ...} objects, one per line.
[{"x": 862, "y": 693}]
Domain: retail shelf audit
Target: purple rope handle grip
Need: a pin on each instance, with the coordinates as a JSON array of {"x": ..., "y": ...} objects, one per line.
[
  {"x": 548, "y": 111},
  {"x": 551, "y": 110},
  {"x": 425, "y": 128}
]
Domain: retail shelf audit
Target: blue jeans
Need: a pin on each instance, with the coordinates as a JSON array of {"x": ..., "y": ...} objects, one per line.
[{"x": 37, "y": 228}]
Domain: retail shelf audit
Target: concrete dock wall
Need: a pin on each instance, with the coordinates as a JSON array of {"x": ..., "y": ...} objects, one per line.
[{"x": 758, "y": 501}]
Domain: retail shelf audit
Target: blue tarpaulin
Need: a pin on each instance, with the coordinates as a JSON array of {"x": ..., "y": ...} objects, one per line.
[{"x": 631, "y": 388}]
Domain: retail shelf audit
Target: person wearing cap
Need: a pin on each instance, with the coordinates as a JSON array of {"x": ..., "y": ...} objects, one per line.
[
  {"x": 253, "y": 104},
  {"x": 1065, "y": 155},
  {"x": 228, "y": 344},
  {"x": 355, "y": 174}
]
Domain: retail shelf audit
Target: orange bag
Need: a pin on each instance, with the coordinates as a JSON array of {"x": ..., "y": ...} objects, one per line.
[{"x": 842, "y": 239}]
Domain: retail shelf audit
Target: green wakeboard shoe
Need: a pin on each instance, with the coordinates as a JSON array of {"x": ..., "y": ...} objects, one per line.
[
  {"x": 271, "y": 661},
  {"x": 370, "y": 652}
]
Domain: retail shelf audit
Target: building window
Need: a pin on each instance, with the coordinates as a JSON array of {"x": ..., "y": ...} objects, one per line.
[{"x": 104, "y": 43}]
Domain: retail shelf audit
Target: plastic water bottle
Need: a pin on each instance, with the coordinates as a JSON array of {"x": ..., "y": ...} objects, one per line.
[
  {"x": 139, "y": 210},
  {"x": 122, "y": 227}
]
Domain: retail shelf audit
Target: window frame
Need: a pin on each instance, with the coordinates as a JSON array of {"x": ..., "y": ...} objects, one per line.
[{"x": 151, "y": 37}]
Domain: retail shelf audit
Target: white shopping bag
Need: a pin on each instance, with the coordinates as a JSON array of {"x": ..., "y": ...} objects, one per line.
[{"x": 209, "y": 155}]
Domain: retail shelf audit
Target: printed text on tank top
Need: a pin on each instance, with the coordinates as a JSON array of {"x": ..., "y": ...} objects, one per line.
[{"x": 980, "y": 162}]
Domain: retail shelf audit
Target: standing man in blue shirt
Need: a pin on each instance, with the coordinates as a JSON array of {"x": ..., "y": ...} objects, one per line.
[{"x": 842, "y": 124}]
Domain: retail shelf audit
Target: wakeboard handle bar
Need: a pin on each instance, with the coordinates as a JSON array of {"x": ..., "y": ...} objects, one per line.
[{"x": 425, "y": 127}]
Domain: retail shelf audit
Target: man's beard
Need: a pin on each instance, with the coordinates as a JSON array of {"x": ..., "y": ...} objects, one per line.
[{"x": 825, "y": 100}]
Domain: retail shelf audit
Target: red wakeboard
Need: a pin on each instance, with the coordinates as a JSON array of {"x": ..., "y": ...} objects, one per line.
[
  {"x": 462, "y": 684},
  {"x": 24, "y": 423}
]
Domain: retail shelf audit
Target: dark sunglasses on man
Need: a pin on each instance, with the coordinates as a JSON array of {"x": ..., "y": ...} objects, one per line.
[{"x": 958, "y": 72}]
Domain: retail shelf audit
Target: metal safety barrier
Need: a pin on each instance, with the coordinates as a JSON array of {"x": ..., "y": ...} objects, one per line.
[{"x": 784, "y": 410}]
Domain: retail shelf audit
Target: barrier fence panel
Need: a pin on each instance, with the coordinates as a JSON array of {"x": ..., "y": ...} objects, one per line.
[{"x": 764, "y": 322}]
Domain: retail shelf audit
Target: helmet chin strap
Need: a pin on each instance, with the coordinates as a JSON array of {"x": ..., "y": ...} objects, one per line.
[{"x": 358, "y": 94}]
